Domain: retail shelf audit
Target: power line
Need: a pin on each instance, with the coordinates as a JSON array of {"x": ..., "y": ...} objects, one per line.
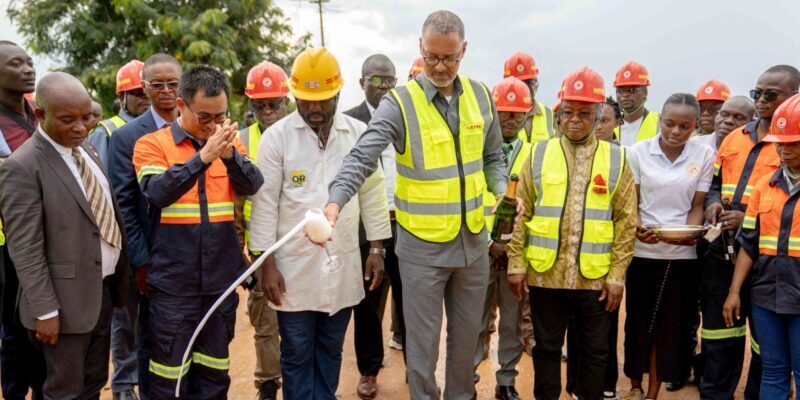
[{"x": 321, "y": 29}]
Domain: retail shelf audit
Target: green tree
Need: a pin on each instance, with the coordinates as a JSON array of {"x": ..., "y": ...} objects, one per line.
[{"x": 95, "y": 37}]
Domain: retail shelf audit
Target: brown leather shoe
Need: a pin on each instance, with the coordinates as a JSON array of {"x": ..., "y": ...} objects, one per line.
[{"x": 368, "y": 387}]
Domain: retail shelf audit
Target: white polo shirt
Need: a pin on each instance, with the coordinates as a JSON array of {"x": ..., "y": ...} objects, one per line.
[
  {"x": 667, "y": 188},
  {"x": 629, "y": 131}
]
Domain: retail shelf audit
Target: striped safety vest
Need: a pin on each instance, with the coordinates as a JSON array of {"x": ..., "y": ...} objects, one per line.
[
  {"x": 517, "y": 158},
  {"x": 648, "y": 129},
  {"x": 439, "y": 175},
  {"x": 551, "y": 180},
  {"x": 112, "y": 123},
  {"x": 538, "y": 127},
  {"x": 251, "y": 137},
  {"x": 2, "y": 235},
  {"x": 742, "y": 162},
  {"x": 775, "y": 215}
]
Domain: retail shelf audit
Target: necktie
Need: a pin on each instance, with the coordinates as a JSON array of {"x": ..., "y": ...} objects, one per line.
[{"x": 103, "y": 213}]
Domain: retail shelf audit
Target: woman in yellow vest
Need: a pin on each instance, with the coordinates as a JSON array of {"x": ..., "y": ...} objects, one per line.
[{"x": 673, "y": 175}]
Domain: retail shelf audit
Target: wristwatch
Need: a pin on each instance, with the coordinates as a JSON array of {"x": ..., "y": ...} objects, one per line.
[{"x": 375, "y": 250}]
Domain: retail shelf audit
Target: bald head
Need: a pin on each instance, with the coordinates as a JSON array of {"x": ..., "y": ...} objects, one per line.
[
  {"x": 64, "y": 108},
  {"x": 735, "y": 112},
  {"x": 376, "y": 61}
]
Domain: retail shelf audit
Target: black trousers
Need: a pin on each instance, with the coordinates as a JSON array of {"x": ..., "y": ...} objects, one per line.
[
  {"x": 722, "y": 347},
  {"x": 551, "y": 311},
  {"x": 574, "y": 357}
]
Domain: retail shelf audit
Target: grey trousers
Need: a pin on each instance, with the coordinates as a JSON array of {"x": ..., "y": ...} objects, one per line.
[
  {"x": 125, "y": 343},
  {"x": 462, "y": 290},
  {"x": 510, "y": 344}
]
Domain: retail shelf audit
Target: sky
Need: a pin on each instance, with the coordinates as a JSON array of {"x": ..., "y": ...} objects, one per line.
[{"x": 683, "y": 43}]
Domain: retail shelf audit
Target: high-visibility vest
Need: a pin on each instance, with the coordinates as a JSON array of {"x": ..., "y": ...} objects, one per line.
[
  {"x": 538, "y": 127},
  {"x": 551, "y": 181},
  {"x": 648, "y": 129},
  {"x": 742, "y": 162},
  {"x": 251, "y": 137},
  {"x": 2, "y": 235},
  {"x": 775, "y": 217},
  {"x": 158, "y": 152},
  {"x": 112, "y": 123},
  {"x": 517, "y": 158},
  {"x": 439, "y": 178}
]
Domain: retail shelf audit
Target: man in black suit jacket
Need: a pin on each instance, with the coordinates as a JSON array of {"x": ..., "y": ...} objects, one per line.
[
  {"x": 160, "y": 74},
  {"x": 66, "y": 239},
  {"x": 377, "y": 78}
]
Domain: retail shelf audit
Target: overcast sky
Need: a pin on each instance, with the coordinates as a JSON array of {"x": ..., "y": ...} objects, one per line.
[{"x": 682, "y": 42}]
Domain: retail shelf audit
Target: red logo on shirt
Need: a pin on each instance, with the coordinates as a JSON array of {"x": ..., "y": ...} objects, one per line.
[{"x": 600, "y": 185}]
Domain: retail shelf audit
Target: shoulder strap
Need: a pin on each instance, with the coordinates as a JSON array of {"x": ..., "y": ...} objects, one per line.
[{"x": 14, "y": 116}]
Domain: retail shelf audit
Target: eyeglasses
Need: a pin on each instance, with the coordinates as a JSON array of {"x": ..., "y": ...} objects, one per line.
[
  {"x": 516, "y": 116},
  {"x": 711, "y": 109},
  {"x": 171, "y": 85},
  {"x": 205, "y": 118},
  {"x": 273, "y": 104},
  {"x": 768, "y": 95},
  {"x": 584, "y": 115},
  {"x": 136, "y": 93},
  {"x": 375, "y": 80},
  {"x": 629, "y": 89},
  {"x": 449, "y": 61}
]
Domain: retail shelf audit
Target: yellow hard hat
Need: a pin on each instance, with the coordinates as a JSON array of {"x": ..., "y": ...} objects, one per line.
[{"x": 315, "y": 75}]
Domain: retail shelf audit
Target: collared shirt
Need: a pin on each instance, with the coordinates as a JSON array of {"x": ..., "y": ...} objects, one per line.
[
  {"x": 299, "y": 172},
  {"x": 160, "y": 122},
  {"x": 667, "y": 188},
  {"x": 388, "y": 127},
  {"x": 192, "y": 259},
  {"x": 109, "y": 254},
  {"x": 565, "y": 273},
  {"x": 787, "y": 176},
  {"x": 13, "y": 133},
  {"x": 774, "y": 280},
  {"x": 709, "y": 140},
  {"x": 629, "y": 131}
]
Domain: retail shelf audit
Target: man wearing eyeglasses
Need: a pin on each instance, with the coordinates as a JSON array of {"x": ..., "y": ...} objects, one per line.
[
  {"x": 743, "y": 158},
  {"x": 378, "y": 76},
  {"x": 447, "y": 136},
  {"x": 189, "y": 173},
  {"x": 631, "y": 83},
  {"x": 160, "y": 76}
]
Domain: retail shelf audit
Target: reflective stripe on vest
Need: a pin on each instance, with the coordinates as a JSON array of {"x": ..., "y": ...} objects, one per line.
[
  {"x": 439, "y": 179},
  {"x": 112, "y": 123},
  {"x": 551, "y": 185},
  {"x": 741, "y": 163},
  {"x": 648, "y": 129},
  {"x": 774, "y": 213},
  {"x": 2, "y": 235},
  {"x": 720, "y": 334},
  {"x": 251, "y": 137},
  {"x": 518, "y": 156},
  {"x": 539, "y": 127}
]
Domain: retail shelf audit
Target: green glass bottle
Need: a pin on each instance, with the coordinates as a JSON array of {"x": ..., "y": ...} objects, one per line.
[{"x": 506, "y": 212}]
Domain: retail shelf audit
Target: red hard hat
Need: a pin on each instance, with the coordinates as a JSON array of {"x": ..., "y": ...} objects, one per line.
[
  {"x": 521, "y": 66},
  {"x": 129, "y": 76},
  {"x": 556, "y": 106},
  {"x": 266, "y": 81},
  {"x": 416, "y": 67},
  {"x": 632, "y": 74},
  {"x": 583, "y": 84},
  {"x": 512, "y": 95},
  {"x": 785, "y": 127},
  {"x": 713, "y": 90}
]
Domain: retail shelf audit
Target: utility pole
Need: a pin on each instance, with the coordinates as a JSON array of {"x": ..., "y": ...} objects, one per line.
[{"x": 321, "y": 30}]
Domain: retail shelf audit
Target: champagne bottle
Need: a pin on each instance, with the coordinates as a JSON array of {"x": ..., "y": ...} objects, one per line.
[
  {"x": 727, "y": 237},
  {"x": 506, "y": 212}
]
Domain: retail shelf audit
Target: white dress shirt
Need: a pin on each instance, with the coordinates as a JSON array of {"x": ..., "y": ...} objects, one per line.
[
  {"x": 666, "y": 190},
  {"x": 297, "y": 173},
  {"x": 709, "y": 140},
  {"x": 629, "y": 131},
  {"x": 109, "y": 255}
]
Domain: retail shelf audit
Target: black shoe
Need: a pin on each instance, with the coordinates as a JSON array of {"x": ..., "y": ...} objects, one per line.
[
  {"x": 506, "y": 393},
  {"x": 675, "y": 386},
  {"x": 268, "y": 391}
]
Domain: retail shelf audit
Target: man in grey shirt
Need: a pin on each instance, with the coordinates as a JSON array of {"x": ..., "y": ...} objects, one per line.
[{"x": 453, "y": 270}]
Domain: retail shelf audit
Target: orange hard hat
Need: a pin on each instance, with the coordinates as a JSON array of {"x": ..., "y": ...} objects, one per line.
[
  {"x": 521, "y": 66},
  {"x": 129, "y": 76},
  {"x": 632, "y": 74},
  {"x": 785, "y": 127},
  {"x": 266, "y": 81},
  {"x": 713, "y": 90},
  {"x": 583, "y": 84},
  {"x": 512, "y": 95},
  {"x": 416, "y": 67}
]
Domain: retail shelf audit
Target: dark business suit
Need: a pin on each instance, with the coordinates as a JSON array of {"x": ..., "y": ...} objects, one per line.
[
  {"x": 126, "y": 344},
  {"x": 54, "y": 243},
  {"x": 368, "y": 332}
]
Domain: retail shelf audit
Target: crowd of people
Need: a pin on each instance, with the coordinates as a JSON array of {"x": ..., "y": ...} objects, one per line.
[{"x": 119, "y": 234}]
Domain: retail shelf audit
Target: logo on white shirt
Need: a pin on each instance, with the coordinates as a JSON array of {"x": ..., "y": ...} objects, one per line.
[{"x": 299, "y": 178}]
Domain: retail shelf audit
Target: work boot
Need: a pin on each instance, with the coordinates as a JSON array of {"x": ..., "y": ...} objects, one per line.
[
  {"x": 127, "y": 394},
  {"x": 268, "y": 390},
  {"x": 634, "y": 394},
  {"x": 367, "y": 387},
  {"x": 506, "y": 393}
]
